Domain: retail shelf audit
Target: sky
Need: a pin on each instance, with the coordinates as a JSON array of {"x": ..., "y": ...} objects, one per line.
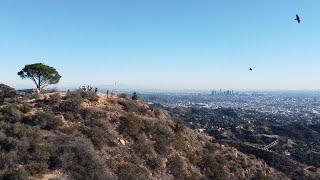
[{"x": 164, "y": 44}]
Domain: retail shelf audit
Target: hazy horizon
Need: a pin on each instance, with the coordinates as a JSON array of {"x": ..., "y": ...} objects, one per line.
[
  {"x": 141, "y": 89},
  {"x": 164, "y": 44}
]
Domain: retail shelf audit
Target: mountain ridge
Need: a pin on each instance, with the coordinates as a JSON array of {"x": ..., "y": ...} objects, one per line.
[{"x": 83, "y": 135}]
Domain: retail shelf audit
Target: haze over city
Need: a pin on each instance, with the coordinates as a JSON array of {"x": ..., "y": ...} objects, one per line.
[{"x": 165, "y": 44}]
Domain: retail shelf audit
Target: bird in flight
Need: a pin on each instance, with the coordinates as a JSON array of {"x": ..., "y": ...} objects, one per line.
[
  {"x": 297, "y": 18},
  {"x": 250, "y": 69}
]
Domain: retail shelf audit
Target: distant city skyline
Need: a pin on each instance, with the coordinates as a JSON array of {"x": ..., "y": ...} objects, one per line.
[{"x": 176, "y": 45}]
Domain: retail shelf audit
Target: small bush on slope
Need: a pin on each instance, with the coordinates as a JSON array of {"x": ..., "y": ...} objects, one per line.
[
  {"x": 164, "y": 138},
  {"x": 21, "y": 144},
  {"x": 131, "y": 171},
  {"x": 26, "y": 107},
  {"x": 54, "y": 100},
  {"x": 129, "y": 106},
  {"x": 11, "y": 113},
  {"x": 123, "y": 96},
  {"x": 72, "y": 103},
  {"x": 77, "y": 157},
  {"x": 135, "y": 96},
  {"x": 89, "y": 95},
  {"x": 95, "y": 134},
  {"x": 46, "y": 121},
  {"x": 213, "y": 167},
  {"x": 130, "y": 125},
  {"x": 177, "y": 167}
]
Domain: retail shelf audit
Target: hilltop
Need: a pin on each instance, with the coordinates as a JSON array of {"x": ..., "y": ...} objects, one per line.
[{"x": 83, "y": 135}]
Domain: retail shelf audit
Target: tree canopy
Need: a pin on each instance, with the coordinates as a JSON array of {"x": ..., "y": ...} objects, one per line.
[
  {"x": 135, "y": 96},
  {"x": 41, "y": 74}
]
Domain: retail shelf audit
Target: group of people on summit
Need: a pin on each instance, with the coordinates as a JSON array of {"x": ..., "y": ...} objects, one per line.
[{"x": 88, "y": 88}]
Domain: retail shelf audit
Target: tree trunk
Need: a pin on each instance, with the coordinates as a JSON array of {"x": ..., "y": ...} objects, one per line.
[{"x": 39, "y": 85}]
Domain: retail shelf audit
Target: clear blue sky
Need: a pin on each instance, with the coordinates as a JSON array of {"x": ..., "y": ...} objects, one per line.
[{"x": 176, "y": 44}]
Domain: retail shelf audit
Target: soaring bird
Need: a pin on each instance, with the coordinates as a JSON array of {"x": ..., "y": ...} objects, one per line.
[
  {"x": 250, "y": 69},
  {"x": 297, "y": 18}
]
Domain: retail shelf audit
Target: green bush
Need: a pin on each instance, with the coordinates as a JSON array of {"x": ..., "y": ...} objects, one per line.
[
  {"x": 134, "y": 96},
  {"x": 8, "y": 159},
  {"x": 21, "y": 144},
  {"x": 26, "y": 107},
  {"x": 69, "y": 130},
  {"x": 36, "y": 167},
  {"x": 161, "y": 146},
  {"x": 130, "y": 125},
  {"x": 177, "y": 167},
  {"x": 93, "y": 114},
  {"x": 132, "y": 106},
  {"x": 72, "y": 103},
  {"x": 15, "y": 174},
  {"x": 46, "y": 121},
  {"x": 123, "y": 96},
  {"x": 181, "y": 142},
  {"x": 213, "y": 168},
  {"x": 95, "y": 134},
  {"x": 132, "y": 172},
  {"x": 129, "y": 106},
  {"x": 33, "y": 96},
  {"x": 153, "y": 163},
  {"x": 179, "y": 126},
  {"x": 163, "y": 137},
  {"x": 12, "y": 114},
  {"x": 78, "y": 157},
  {"x": 143, "y": 147},
  {"x": 193, "y": 158},
  {"x": 89, "y": 95},
  {"x": 143, "y": 110},
  {"x": 70, "y": 116},
  {"x": 54, "y": 99}
]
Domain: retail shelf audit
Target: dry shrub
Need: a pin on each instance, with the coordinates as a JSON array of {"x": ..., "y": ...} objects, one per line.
[
  {"x": 72, "y": 103},
  {"x": 130, "y": 125},
  {"x": 46, "y": 121},
  {"x": 54, "y": 99},
  {"x": 11, "y": 113},
  {"x": 76, "y": 156},
  {"x": 131, "y": 171}
]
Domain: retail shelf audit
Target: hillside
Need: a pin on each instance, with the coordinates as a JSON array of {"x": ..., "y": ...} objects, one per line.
[
  {"x": 285, "y": 143},
  {"x": 81, "y": 135}
]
